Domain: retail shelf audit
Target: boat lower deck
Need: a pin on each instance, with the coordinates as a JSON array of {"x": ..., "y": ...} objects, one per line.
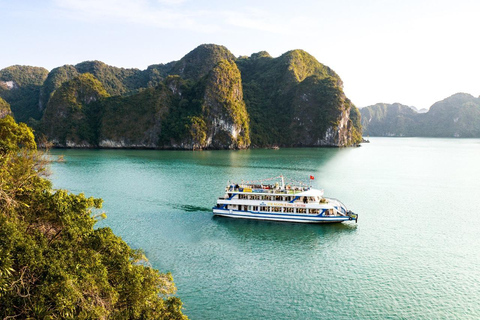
[{"x": 279, "y": 216}]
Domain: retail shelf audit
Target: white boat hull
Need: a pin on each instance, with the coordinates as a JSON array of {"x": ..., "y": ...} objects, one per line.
[{"x": 279, "y": 216}]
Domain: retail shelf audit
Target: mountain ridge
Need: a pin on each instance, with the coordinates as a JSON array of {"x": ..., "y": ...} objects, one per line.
[
  {"x": 455, "y": 116},
  {"x": 207, "y": 99}
]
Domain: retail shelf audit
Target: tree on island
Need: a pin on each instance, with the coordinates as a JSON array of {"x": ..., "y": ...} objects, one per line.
[{"x": 53, "y": 263}]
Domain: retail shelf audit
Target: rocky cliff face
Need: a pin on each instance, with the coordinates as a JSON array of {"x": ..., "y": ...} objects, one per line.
[
  {"x": 294, "y": 100},
  {"x": 207, "y": 99},
  {"x": 224, "y": 110},
  {"x": 322, "y": 114},
  {"x": 181, "y": 114}
]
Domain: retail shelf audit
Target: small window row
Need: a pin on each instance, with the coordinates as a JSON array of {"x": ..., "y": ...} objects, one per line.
[{"x": 274, "y": 209}]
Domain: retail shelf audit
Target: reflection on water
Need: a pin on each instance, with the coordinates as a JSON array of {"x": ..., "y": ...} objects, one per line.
[{"x": 301, "y": 233}]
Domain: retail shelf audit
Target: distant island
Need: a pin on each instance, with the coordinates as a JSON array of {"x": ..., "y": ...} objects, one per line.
[
  {"x": 209, "y": 99},
  {"x": 457, "y": 116}
]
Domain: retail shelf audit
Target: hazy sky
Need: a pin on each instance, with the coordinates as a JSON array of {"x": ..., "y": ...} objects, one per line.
[{"x": 415, "y": 52}]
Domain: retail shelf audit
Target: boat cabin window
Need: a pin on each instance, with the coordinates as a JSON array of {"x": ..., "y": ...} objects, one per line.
[
  {"x": 301, "y": 210},
  {"x": 265, "y": 198},
  {"x": 265, "y": 209},
  {"x": 329, "y": 212},
  {"x": 254, "y": 208},
  {"x": 314, "y": 211},
  {"x": 276, "y": 209},
  {"x": 289, "y": 210}
]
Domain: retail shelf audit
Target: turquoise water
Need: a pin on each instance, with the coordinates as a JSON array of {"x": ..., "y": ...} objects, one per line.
[{"x": 414, "y": 254}]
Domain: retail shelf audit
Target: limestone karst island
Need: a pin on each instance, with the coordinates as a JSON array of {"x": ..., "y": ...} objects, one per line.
[{"x": 209, "y": 99}]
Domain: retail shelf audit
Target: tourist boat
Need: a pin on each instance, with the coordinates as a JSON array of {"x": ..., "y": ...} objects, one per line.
[{"x": 280, "y": 202}]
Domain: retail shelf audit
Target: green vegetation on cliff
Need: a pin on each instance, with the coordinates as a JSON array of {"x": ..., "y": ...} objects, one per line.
[
  {"x": 224, "y": 108},
  {"x": 183, "y": 124},
  {"x": 24, "y": 75},
  {"x": 316, "y": 90},
  {"x": 312, "y": 123},
  {"x": 198, "y": 62},
  {"x": 116, "y": 81},
  {"x": 20, "y": 87},
  {"x": 155, "y": 74},
  {"x": 293, "y": 99},
  {"x": 134, "y": 120},
  {"x": 66, "y": 119},
  {"x": 180, "y": 113},
  {"x": 207, "y": 99},
  {"x": 54, "y": 80},
  {"x": 176, "y": 113},
  {"x": 54, "y": 264}
]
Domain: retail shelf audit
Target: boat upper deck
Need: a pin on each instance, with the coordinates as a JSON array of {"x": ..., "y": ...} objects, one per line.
[{"x": 273, "y": 189}]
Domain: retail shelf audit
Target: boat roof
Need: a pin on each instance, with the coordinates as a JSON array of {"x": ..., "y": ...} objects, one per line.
[
  {"x": 310, "y": 193},
  {"x": 271, "y": 186}
]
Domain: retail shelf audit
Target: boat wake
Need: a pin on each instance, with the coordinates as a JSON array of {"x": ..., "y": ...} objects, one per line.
[{"x": 190, "y": 208}]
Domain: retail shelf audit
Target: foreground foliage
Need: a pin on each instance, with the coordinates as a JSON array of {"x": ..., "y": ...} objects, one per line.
[
  {"x": 4, "y": 108},
  {"x": 53, "y": 263}
]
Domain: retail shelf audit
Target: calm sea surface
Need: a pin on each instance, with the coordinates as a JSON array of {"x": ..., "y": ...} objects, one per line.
[{"x": 414, "y": 254}]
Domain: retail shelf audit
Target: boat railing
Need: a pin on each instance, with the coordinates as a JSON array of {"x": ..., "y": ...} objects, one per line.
[
  {"x": 340, "y": 202},
  {"x": 269, "y": 190}
]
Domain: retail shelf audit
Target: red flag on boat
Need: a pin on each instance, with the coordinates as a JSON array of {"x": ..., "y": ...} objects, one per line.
[{"x": 312, "y": 177}]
